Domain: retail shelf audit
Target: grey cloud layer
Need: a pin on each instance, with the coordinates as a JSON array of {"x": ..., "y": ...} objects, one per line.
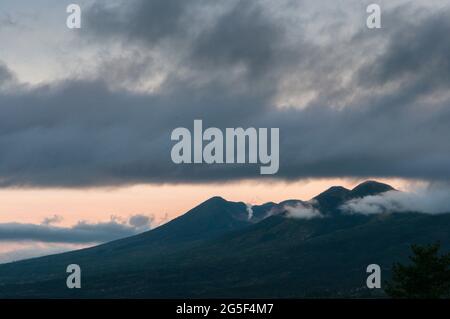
[
  {"x": 82, "y": 232},
  {"x": 359, "y": 104},
  {"x": 6, "y": 75},
  {"x": 146, "y": 21}
]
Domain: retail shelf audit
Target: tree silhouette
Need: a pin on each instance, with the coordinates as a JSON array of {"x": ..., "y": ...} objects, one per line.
[{"x": 428, "y": 276}]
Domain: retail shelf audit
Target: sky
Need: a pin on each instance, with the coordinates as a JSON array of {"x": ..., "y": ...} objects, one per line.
[{"x": 86, "y": 114}]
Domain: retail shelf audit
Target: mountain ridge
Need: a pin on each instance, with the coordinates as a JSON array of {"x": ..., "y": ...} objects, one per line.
[{"x": 215, "y": 250}]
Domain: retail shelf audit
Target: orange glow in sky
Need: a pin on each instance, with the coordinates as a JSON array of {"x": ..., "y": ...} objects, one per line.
[{"x": 163, "y": 201}]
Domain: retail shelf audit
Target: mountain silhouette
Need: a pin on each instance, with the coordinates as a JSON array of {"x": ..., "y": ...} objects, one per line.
[
  {"x": 330, "y": 200},
  {"x": 370, "y": 188},
  {"x": 218, "y": 249}
]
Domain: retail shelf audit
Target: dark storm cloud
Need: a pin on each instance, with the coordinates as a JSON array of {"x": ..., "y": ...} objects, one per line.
[
  {"x": 82, "y": 232},
  {"x": 5, "y": 75},
  {"x": 84, "y": 135},
  {"x": 215, "y": 36},
  {"x": 379, "y": 121},
  {"x": 144, "y": 21},
  {"x": 416, "y": 56},
  {"x": 244, "y": 35},
  {"x": 81, "y": 134}
]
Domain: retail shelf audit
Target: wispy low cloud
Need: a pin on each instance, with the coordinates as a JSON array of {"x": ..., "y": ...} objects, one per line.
[
  {"x": 422, "y": 200},
  {"x": 302, "y": 210},
  {"x": 55, "y": 219},
  {"x": 249, "y": 208},
  {"x": 82, "y": 232},
  {"x": 10, "y": 252}
]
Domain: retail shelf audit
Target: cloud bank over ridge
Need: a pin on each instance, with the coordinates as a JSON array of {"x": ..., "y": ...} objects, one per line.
[{"x": 426, "y": 200}]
